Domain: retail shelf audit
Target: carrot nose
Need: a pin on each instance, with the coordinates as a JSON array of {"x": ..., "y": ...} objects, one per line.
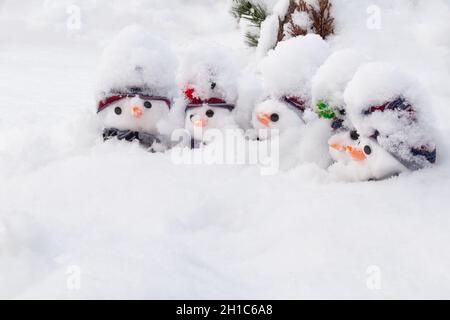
[
  {"x": 264, "y": 118},
  {"x": 200, "y": 122},
  {"x": 357, "y": 154},
  {"x": 337, "y": 146},
  {"x": 136, "y": 111}
]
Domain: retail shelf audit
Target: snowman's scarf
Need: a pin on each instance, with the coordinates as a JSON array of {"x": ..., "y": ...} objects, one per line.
[{"x": 145, "y": 139}]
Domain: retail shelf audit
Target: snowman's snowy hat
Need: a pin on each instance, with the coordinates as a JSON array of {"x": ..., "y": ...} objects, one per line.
[
  {"x": 136, "y": 63},
  {"x": 389, "y": 106},
  {"x": 209, "y": 75},
  {"x": 287, "y": 70}
]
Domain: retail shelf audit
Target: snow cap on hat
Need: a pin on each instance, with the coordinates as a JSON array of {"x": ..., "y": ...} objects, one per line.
[
  {"x": 137, "y": 62},
  {"x": 209, "y": 74},
  {"x": 287, "y": 70},
  {"x": 331, "y": 79}
]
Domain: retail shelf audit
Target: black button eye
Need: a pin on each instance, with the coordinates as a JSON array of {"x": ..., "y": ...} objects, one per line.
[
  {"x": 191, "y": 116},
  {"x": 118, "y": 110},
  {"x": 367, "y": 150},
  {"x": 209, "y": 113},
  {"x": 274, "y": 117},
  {"x": 147, "y": 104},
  {"x": 354, "y": 135}
]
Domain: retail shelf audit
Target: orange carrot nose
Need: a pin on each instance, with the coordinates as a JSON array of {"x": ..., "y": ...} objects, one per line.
[
  {"x": 337, "y": 146},
  {"x": 264, "y": 118},
  {"x": 357, "y": 154},
  {"x": 136, "y": 111},
  {"x": 201, "y": 123}
]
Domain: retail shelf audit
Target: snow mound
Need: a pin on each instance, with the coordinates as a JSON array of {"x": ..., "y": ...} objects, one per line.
[
  {"x": 136, "y": 59},
  {"x": 303, "y": 55},
  {"x": 331, "y": 79}
]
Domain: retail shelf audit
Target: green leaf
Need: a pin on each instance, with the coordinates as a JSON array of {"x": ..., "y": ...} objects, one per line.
[{"x": 324, "y": 110}]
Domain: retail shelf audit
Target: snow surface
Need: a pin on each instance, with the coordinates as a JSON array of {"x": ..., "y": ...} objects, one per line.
[{"x": 139, "y": 226}]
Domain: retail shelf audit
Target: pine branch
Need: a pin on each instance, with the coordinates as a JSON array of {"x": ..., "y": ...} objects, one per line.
[
  {"x": 244, "y": 9},
  {"x": 254, "y": 13},
  {"x": 323, "y": 23},
  {"x": 251, "y": 39}
]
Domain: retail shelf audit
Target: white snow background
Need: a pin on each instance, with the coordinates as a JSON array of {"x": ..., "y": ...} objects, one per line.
[{"x": 138, "y": 226}]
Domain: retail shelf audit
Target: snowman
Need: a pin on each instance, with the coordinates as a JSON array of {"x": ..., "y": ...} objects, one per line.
[
  {"x": 135, "y": 88},
  {"x": 392, "y": 132},
  {"x": 286, "y": 113},
  {"x": 208, "y": 77},
  {"x": 286, "y": 72},
  {"x": 276, "y": 116}
]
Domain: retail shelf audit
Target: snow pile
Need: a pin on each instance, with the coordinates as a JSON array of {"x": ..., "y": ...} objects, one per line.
[
  {"x": 304, "y": 55},
  {"x": 400, "y": 130},
  {"x": 135, "y": 59},
  {"x": 250, "y": 89},
  {"x": 269, "y": 27},
  {"x": 330, "y": 81}
]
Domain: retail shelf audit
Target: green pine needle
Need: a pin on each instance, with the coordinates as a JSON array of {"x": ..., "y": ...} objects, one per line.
[
  {"x": 251, "y": 39},
  {"x": 254, "y": 13}
]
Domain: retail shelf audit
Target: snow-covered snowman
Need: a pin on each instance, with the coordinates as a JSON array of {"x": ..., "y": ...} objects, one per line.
[
  {"x": 392, "y": 132},
  {"x": 136, "y": 85},
  {"x": 208, "y": 77},
  {"x": 286, "y": 74},
  {"x": 286, "y": 110}
]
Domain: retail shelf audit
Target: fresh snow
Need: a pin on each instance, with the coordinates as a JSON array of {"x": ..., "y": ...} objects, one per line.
[{"x": 138, "y": 226}]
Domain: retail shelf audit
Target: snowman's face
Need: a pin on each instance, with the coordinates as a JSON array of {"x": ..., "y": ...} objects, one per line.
[
  {"x": 200, "y": 119},
  {"x": 134, "y": 113},
  {"x": 359, "y": 158},
  {"x": 274, "y": 114}
]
